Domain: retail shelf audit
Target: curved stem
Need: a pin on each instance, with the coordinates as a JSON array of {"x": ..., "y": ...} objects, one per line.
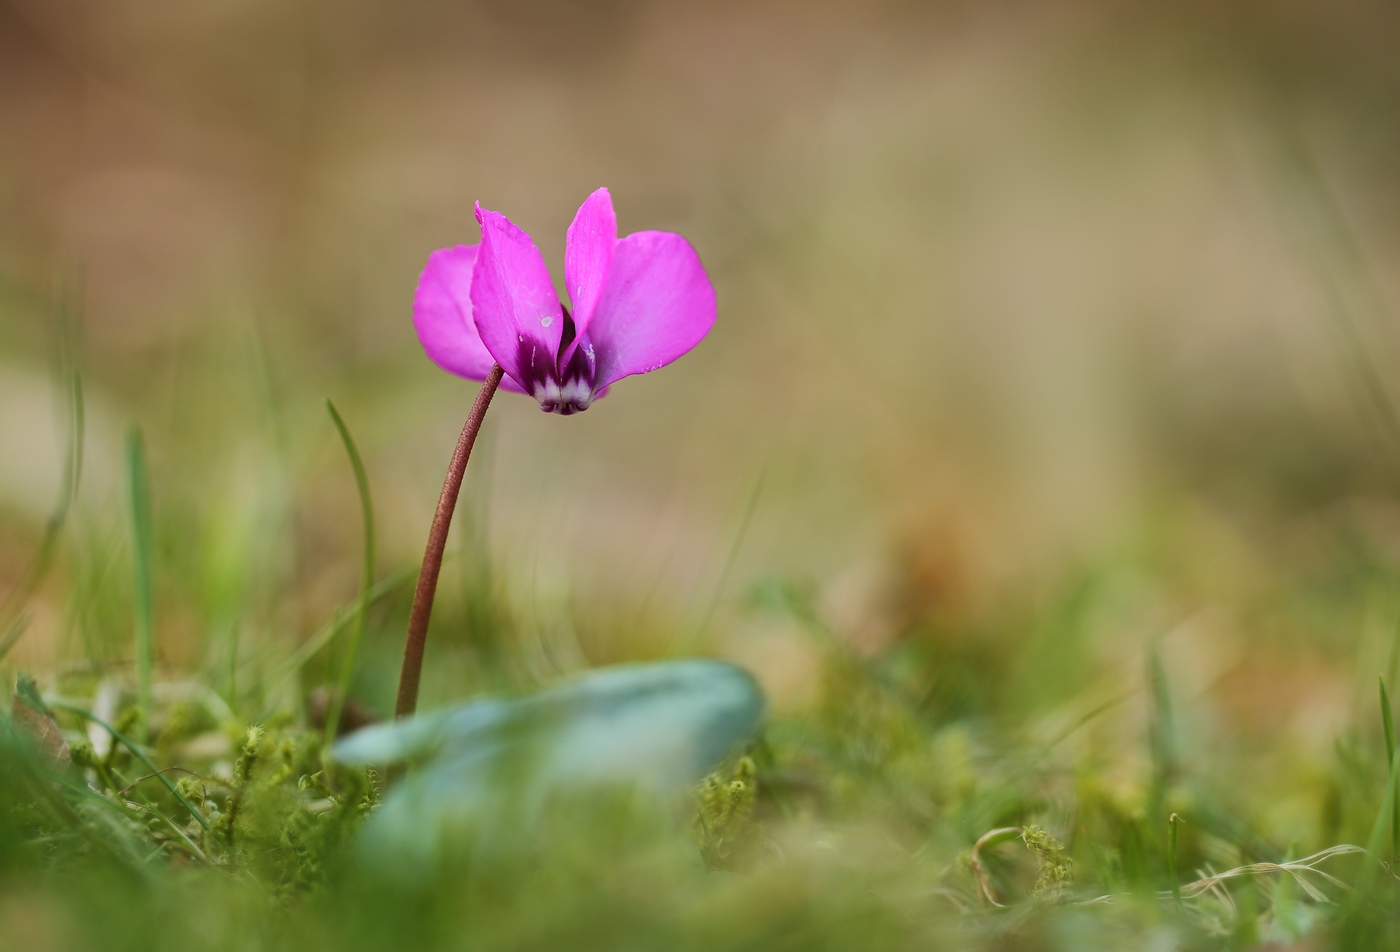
[{"x": 412, "y": 670}]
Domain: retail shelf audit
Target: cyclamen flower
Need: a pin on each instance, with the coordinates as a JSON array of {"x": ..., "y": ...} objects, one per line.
[{"x": 638, "y": 303}]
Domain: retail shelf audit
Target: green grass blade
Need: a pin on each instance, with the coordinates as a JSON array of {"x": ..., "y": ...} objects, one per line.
[
  {"x": 1388, "y": 723},
  {"x": 327, "y": 632},
  {"x": 1162, "y": 731},
  {"x": 1370, "y": 870},
  {"x": 347, "y": 669},
  {"x": 1172, "y": 822},
  {"x": 47, "y": 789},
  {"x": 70, "y": 374},
  {"x": 139, "y": 500}
]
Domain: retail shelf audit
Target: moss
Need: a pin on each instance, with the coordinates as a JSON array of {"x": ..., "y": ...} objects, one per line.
[
  {"x": 1056, "y": 866},
  {"x": 724, "y": 815}
]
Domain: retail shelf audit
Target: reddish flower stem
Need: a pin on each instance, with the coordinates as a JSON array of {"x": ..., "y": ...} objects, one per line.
[{"x": 412, "y": 670}]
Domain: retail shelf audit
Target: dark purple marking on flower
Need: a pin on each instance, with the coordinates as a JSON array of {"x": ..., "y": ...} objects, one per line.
[{"x": 563, "y": 390}]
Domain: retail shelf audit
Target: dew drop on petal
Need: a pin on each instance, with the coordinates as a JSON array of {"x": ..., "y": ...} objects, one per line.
[{"x": 546, "y": 321}]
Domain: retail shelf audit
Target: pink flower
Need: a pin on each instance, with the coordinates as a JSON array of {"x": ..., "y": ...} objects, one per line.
[{"x": 638, "y": 304}]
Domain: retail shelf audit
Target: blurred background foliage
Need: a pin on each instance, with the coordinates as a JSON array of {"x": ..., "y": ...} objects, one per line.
[{"x": 1053, "y": 339}]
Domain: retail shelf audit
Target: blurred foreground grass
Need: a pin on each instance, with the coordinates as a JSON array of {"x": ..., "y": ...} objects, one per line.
[
  {"x": 1042, "y": 466},
  {"x": 929, "y": 793},
  {"x": 992, "y": 779}
]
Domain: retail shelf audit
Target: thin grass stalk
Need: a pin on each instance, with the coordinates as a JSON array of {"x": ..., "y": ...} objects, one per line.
[
  {"x": 732, "y": 556},
  {"x": 412, "y": 672},
  {"x": 136, "y": 752},
  {"x": 1388, "y": 724},
  {"x": 1172, "y": 822},
  {"x": 347, "y": 669},
  {"x": 1332, "y": 232},
  {"x": 67, "y": 367},
  {"x": 47, "y": 788},
  {"x": 139, "y": 501},
  {"x": 1393, "y": 659}
]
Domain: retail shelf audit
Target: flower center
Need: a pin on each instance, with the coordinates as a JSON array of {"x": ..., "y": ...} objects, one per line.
[{"x": 561, "y": 382}]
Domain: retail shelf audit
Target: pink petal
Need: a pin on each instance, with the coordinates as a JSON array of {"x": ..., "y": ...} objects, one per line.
[
  {"x": 588, "y": 252},
  {"x": 514, "y": 304},
  {"x": 442, "y": 315},
  {"x": 657, "y": 305}
]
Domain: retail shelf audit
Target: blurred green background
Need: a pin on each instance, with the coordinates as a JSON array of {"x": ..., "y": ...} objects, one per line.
[{"x": 1045, "y": 331}]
